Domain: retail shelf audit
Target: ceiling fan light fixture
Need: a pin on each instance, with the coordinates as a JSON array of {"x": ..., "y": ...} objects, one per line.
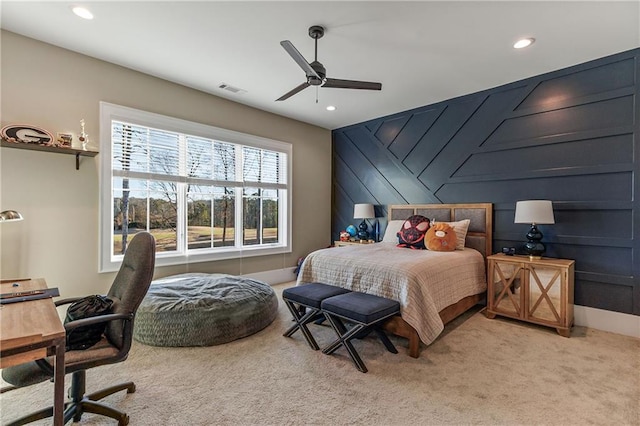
[
  {"x": 82, "y": 12},
  {"x": 331, "y": 108},
  {"x": 315, "y": 81},
  {"x": 524, "y": 42}
]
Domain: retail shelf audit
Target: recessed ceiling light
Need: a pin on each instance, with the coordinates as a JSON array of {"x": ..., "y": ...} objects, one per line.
[
  {"x": 82, "y": 12},
  {"x": 525, "y": 42},
  {"x": 331, "y": 108}
]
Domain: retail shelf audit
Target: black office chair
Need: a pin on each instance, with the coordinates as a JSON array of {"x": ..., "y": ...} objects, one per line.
[{"x": 127, "y": 291}]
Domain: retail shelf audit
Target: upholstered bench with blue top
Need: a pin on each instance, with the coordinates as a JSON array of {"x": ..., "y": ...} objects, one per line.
[
  {"x": 367, "y": 311},
  {"x": 304, "y": 303}
]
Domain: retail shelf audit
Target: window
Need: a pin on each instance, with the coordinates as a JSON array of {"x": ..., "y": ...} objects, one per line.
[{"x": 205, "y": 193}]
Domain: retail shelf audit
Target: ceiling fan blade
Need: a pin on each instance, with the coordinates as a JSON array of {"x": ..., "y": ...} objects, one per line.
[
  {"x": 351, "y": 84},
  {"x": 297, "y": 56},
  {"x": 292, "y": 92}
]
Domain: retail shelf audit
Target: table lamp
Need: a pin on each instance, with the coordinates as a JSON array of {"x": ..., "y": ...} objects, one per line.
[
  {"x": 10, "y": 216},
  {"x": 534, "y": 212},
  {"x": 363, "y": 211}
]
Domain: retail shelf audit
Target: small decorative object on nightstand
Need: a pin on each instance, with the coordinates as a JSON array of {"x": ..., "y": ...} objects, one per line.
[
  {"x": 539, "y": 291},
  {"x": 376, "y": 231}
]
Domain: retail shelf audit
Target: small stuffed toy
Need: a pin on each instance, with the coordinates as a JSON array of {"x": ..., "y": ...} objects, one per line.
[
  {"x": 412, "y": 233},
  {"x": 441, "y": 237}
]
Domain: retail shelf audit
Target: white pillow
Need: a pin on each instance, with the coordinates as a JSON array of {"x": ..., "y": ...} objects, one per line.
[
  {"x": 390, "y": 234},
  {"x": 460, "y": 227}
]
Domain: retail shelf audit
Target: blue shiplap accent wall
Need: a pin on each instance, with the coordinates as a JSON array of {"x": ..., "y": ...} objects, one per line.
[{"x": 570, "y": 136}]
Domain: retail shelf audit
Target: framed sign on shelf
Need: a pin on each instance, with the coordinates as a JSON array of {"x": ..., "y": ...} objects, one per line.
[{"x": 27, "y": 134}]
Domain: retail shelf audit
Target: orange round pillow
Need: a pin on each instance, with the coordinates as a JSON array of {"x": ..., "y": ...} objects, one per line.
[{"x": 441, "y": 237}]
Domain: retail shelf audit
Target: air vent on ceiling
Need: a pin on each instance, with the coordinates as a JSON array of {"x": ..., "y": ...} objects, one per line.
[{"x": 232, "y": 89}]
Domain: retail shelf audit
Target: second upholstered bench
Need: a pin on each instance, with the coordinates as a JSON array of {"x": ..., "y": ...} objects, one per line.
[{"x": 367, "y": 311}]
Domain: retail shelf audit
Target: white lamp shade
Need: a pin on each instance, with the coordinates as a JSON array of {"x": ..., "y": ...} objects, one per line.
[
  {"x": 534, "y": 211},
  {"x": 363, "y": 211}
]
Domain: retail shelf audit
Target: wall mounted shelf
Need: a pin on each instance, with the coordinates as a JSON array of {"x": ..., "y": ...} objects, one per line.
[{"x": 60, "y": 150}]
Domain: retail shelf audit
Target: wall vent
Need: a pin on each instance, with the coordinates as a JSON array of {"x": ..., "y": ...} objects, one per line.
[{"x": 232, "y": 89}]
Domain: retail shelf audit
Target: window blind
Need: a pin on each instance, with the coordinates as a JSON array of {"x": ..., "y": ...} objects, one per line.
[
  {"x": 146, "y": 153},
  {"x": 263, "y": 168}
]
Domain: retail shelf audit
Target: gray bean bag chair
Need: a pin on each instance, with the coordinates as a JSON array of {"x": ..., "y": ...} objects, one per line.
[{"x": 203, "y": 309}]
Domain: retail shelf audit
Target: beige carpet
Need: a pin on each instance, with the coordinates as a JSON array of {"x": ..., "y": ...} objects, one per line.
[{"x": 479, "y": 371}]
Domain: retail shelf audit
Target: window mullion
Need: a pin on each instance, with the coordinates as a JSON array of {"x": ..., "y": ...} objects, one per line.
[
  {"x": 285, "y": 215},
  {"x": 260, "y": 229},
  {"x": 181, "y": 197},
  {"x": 148, "y": 149},
  {"x": 260, "y": 218},
  {"x": 239, "y": 219},
  {"x": 148, "y": 198},
  {"x": 239, "y": 191},
  {"x": 181, "y": 219}
]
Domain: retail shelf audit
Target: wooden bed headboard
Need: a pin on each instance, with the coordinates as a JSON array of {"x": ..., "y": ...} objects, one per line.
[{"x": 480, "y": 233}]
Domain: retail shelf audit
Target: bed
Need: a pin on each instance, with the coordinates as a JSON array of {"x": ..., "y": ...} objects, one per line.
[{"x": 432, "y": 287}]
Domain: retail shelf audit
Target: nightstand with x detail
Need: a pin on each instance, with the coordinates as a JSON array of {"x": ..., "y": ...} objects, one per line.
[{"x": 539, "y": 291}]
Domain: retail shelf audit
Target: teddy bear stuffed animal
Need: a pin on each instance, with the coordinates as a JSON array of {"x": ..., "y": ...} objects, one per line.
[{"x": 441, "y": 237}]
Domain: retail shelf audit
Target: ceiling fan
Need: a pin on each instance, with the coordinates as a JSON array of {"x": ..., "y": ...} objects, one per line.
[{"x": 315, "y": 71}]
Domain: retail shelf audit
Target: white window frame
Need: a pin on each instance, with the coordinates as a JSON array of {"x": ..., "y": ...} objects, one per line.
[{"x": 110, "y": 112}]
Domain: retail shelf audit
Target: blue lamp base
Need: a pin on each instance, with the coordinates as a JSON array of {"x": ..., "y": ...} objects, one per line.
[
  {"x": 534, "y": 247},
  {"x": 363, "y": 233}
]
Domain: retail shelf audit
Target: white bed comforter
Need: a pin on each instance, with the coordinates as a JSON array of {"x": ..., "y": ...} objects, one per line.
[{"x": 423, "y": 281}]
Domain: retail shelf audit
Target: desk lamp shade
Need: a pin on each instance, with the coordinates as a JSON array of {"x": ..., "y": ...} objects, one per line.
[
  {"x": 534, "y": 212},
  {"x": 363, "y": 211},
  {"x": 10, "y": 216}
]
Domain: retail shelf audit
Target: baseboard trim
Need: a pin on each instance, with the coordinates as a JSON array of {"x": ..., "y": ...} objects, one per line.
[
  {"x": 274, "y": 276},
  {"x": 614, "y": 322}
]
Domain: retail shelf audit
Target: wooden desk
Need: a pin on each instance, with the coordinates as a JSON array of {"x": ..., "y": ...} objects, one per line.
[{"x": 32, "y": 330}]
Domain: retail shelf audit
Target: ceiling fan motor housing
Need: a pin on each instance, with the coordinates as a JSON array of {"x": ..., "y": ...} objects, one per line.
[{"x": 320, "y": 70}]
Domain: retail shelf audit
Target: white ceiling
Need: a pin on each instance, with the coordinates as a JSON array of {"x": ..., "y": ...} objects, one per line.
[{"x": 421, "y": 52}]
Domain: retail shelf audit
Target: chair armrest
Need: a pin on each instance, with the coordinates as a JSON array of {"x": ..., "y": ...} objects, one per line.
[
  {"x": 96, "y": 320},
  {"x": 67, "y": 301}
]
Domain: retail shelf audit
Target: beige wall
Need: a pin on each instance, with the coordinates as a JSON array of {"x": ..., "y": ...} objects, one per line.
[{"x": 54, "y": 88}]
